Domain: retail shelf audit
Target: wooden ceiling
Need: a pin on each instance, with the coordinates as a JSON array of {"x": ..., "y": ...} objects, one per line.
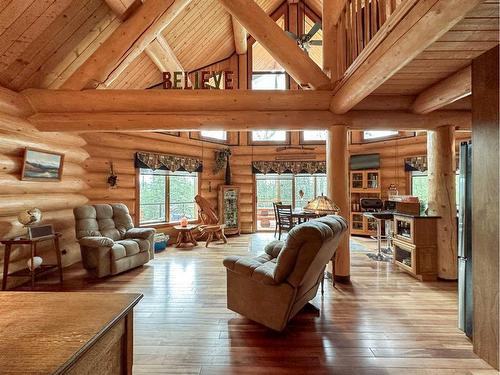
[
  {"x": 471, "y": 37},
  {"x": 43, "y": 42}
]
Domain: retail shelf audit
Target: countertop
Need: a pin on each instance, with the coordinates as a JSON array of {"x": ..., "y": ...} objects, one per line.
[{"x": 44, "y": 333}]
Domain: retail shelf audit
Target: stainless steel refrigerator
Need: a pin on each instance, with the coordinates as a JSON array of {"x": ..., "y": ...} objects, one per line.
[{"x": 465, "y": 256}]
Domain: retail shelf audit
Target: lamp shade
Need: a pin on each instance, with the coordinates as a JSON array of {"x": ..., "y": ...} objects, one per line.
[{"x": 322, "y": 204}]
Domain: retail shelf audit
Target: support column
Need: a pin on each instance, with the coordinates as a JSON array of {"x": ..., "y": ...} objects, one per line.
[
  {"x": 442, "y": 196},
  {"x": 337, "y": 173}
]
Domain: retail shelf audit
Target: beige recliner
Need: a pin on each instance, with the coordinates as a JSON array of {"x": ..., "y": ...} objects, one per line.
[
  {"x": 109, "y": 243},
  {"x": 273, "y": 287}
]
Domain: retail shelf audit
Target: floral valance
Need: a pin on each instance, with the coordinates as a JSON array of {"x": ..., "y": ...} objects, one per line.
[
  {"x": 416, "y": 163},
  {"x": 294, "y": 167},
  {"x": 167, "y": 162}
]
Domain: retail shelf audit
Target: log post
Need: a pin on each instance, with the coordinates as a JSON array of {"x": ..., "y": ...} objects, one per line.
[
  {"x": 337, "y": 173},
  {"x": 442, "y": 198}
]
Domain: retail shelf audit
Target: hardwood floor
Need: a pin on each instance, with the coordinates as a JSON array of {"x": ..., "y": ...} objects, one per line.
[{"x": 385, "y": 322}]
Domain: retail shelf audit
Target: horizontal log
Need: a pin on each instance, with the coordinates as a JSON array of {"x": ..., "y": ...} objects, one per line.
[
  {"x": 14, "y": 104},
  {"x": 10, "y": 184},
  {"x": 22, "y": 127},
  {"x": 61, "y": 101},
  {"x": 445, "y": 92},
  {"x": 110, "y": 194},
  {"x": 12, "y": 204},
  {"x": 128, "y": 202},
  {"x": 13, "y": 145},
  {"x": 246, "y": 120},
  {"x": 100, "y": 180},
  {"x": 102, "y": 165}
]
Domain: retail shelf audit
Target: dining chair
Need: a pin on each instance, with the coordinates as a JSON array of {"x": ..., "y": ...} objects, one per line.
[
  {"x": 285, "y": 218},
  {"x": 276, "y": 217}
]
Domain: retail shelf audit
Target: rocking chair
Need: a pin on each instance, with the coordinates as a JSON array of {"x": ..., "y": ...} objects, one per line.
[{"x": 211, "y": 227}]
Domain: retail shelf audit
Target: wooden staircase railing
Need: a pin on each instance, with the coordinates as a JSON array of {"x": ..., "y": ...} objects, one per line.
[{"x": 359, "y": 21}]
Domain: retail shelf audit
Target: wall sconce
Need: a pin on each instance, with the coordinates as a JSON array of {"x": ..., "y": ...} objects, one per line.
[{"x": 112, "y": 178}]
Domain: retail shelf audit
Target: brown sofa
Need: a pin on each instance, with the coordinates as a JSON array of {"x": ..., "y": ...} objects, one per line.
[
  {"x": 109, "y": 243},
  {"x": 272, "y": 288}
]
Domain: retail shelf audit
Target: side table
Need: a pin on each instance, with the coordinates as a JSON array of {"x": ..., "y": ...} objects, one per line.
[
  {"x": 33, "y": 245},
  {"x": 185, "y": 237}
]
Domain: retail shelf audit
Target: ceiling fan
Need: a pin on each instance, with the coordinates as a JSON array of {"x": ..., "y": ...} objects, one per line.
[{"x": 305, "y": 41}]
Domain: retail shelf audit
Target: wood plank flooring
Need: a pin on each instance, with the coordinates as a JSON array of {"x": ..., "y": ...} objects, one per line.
[{"x": 385, "y": 322}]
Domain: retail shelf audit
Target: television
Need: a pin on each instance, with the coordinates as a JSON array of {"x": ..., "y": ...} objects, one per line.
[{"x": 366, "y": 161}]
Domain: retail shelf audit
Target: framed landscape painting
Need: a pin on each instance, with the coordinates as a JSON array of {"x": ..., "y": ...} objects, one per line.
[{"x": 42, "y": 165}]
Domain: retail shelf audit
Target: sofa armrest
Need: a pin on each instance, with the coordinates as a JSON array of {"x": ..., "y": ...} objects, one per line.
[
  {"x": 96, "y": 242},
  {"x": 252, "y": 268},
  {"x": 142, "y": 233},
  {"x": 274, "y": 248}
]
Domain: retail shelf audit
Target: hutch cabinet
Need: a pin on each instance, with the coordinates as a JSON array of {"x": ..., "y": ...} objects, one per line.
[
  {"x": 363, "y": 184},
  {"x": 229, "y": 208},
  {"x": 415, "y": 245}
]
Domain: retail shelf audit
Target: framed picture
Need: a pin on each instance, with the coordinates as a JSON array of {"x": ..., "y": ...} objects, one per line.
[
  {"x": 42, "y": 165},
  {"x": 40, "y": 231}
]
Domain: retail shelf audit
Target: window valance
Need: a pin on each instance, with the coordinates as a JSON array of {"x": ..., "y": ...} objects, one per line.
[
  {"x": 416, "y": 163},
  {"x": 172, "y": 163},
  {"x": 293, "y": 167}
]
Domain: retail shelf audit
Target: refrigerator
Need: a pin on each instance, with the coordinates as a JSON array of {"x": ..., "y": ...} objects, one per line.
[{"x": 465, "y": 256}]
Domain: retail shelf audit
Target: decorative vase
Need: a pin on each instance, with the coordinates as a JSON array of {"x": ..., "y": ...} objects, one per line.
[{"x": 228, "y": 171}]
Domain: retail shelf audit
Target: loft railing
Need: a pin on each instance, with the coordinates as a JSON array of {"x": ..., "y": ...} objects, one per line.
[{"x": 358, "y": 23}]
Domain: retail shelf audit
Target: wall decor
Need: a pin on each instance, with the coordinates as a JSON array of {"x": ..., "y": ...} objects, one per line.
[
  {"x": 42, "y": 165},
  {"x": 203, "y": 80}
]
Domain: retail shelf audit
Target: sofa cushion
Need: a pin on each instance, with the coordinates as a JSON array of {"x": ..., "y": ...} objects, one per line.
[
  {"x": 118, "y": 251},
  {"x": 260, "y": 268},
  {"x": 131, "y": 247},
  {"x": 121, "y": 218},
  {"x": 86, "y": 223},
  {"x": 143, "y": 244}
]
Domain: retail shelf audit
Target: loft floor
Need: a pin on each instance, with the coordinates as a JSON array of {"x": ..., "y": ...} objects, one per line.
[{"x": 385, "y": 322}]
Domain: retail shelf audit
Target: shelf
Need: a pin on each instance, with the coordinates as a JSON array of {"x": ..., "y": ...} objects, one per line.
[{"x": 44, "y": 268}]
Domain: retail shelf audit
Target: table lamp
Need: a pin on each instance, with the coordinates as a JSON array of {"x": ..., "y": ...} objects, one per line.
[{"x": 322, "y": 204}]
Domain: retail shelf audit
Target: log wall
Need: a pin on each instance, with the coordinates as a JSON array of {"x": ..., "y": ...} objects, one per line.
[
  {"x": 55, "y": 199},
  {"x": 120, "y": 148}
]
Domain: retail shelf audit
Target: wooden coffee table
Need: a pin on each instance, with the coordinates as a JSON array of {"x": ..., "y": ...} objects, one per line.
[{"x": 185, "y": 237}]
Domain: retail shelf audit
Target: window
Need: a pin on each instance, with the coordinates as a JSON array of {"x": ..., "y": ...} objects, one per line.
[
  {"x": 214, "y": 134},
  {"x": 420, "y": 187},
  {"x": 311, "y": 186},
  {"x": 369, "y": 135},
  {"x": 166, "y": 197},
  {"x": 269, "y": 136},
  {"x": 313, "y": 136},
  {"x": 284, "y": 188},
  {"x": 269, "y": 81}
]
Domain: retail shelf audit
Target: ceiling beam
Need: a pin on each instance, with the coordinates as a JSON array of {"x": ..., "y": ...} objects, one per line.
[
  {"x": 175, "y": 100},
  {"x": 240, "y": 37},
  {"x": 282, "y": 48},
  {"x": 414, "y": 26},
  {"x": 126, "y": 43},
  {"x": 123, "y": 8},
  {"x": 447, "y": 91},
  {"x": 244, "y": 120},
  {"x": 162, "y": 55}
]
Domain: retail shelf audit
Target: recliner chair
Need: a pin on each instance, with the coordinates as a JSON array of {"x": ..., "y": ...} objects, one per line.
[
  {"x": 273, "y": 287},
  {"x": 109, "y": 243}
]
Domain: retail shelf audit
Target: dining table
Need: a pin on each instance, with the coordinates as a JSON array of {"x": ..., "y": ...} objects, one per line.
[{"x": 301, "y": 216}]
